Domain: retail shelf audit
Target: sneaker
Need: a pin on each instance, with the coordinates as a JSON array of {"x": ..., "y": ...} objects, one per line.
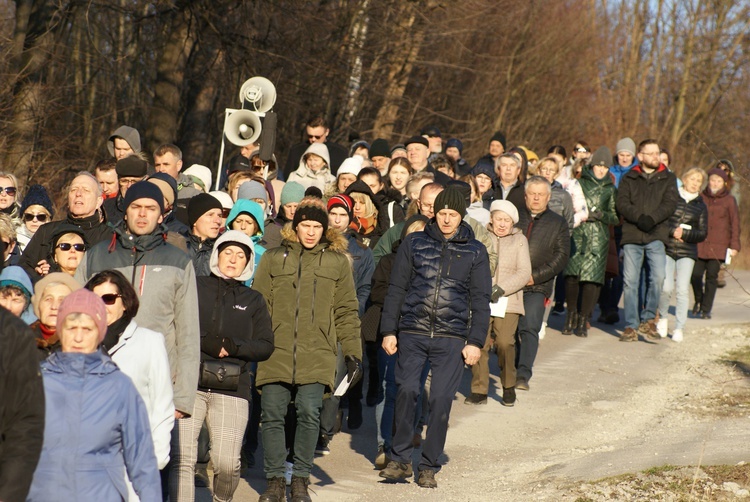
[
  {"x": 427, "y": 479},
  {"x": 629, "y": 335},
  {"x": 275, "y": 491},
  {"x": 381, "y": 459},
  {"x": 662, "y": 326},
  {"x": 322, "y": 448},
  {"x": 677, "y": 335},
  {"x": 288, "y": 468},
  {"x": 543, "y": 331},
  {"x": 522, "y": 384},
  {"x": 396, "y": 471},
  {"x": 509, "y": 396},
  {"x": 299, "y": 489},
  {"x": 475, "y": 398},
  {"x": 648, "y": 329}
]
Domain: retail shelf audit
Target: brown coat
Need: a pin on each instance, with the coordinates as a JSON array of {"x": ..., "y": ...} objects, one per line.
[
  {"x": 723, "y": 225},
  {"x": 513, "y": 269}
]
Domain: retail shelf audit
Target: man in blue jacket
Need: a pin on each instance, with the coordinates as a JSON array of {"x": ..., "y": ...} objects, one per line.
[{"x": 437, "y": 311}]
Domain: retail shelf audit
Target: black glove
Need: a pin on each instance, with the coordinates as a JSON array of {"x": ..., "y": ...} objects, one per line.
[
  {"x": 353, "y": 369},
  {"x": 211, "y": 345},
  {"x": 230, "y": 346},
  {"x": 645, "y": 223},
  {"x": 497, "y": 293},
  {"x": 595, "y": 216}
]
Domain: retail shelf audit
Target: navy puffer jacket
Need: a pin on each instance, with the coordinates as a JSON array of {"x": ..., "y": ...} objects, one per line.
[{"x": 440, "y": 287}]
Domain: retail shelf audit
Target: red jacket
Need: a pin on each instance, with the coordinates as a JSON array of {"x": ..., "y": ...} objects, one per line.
[{"x": 723, "y": 225}]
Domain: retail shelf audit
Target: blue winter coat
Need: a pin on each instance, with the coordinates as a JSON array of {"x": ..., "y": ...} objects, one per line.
[
  {"x": 440, "y": 287},
  {"x": 363, "y": 266},
  {"x": 96, "y": 428}
]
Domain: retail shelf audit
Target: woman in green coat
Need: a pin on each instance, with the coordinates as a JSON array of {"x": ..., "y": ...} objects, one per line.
[{"x": 584, "y": 274}]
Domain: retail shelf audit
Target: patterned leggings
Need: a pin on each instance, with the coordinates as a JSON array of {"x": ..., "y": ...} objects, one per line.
[{"x": 226, "y": 418}]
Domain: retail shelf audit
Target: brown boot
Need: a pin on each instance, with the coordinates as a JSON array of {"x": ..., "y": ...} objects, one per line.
[
  {"x": 275, "y": 491},
  {"x": 299, "y": 489}
]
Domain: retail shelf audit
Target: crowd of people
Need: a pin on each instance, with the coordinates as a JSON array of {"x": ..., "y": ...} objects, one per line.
[{"x": 155, "y": 324}]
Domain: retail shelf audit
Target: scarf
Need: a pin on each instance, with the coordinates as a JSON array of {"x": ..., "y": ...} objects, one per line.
[
  {"x": 689, "y": 197},
  {"x": 114, "y": 331}
]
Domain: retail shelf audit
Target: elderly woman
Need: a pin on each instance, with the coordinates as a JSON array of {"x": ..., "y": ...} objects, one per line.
[
  {"x": 68, "y": 247},
  {"x": 140, "y": 354},
  {"x": 235, "y": 330},
  {"x": 512, "y": 273},
  {"x": 687, "y": 227},
  {"x": 586, "y": 269},
  {"x": 722, "y": 241},
  {"x": 36, "y": 210},
  {"x": 15, "y": 293},
  {"x": 96, "y": 425},
  {"x": 49, "y": 292}
]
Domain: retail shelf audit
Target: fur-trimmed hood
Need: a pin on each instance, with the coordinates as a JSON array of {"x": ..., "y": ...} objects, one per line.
[{"x": 333, "y": 240}]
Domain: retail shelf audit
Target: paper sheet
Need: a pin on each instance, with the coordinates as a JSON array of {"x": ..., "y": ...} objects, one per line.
[{"x": 498, "y": 309}]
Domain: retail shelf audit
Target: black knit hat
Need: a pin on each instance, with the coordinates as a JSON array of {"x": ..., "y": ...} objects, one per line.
[
  {"x": 602, "y": 157},
  {"x": 131, "y": 166},
  {"x": 144, "y": 190},
  {"x": 463, "y": 188},
  {"x": 498, "y": 136},
  {"x": 450, "y": 198},
  {"x": 417, "y": 139},
  {"x": 380, "y": 148},
  {"x": 311, "y": 208},
  {"x": 200, "y": 205},
  {"x": 37, "y": 196}
]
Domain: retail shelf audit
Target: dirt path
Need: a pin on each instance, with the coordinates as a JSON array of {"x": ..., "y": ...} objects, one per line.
[{"x": 596, "y": 408}]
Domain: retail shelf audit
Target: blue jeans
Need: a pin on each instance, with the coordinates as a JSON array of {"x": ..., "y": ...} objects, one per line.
[
  {"x": 386, "y": 406},
  {"x": 684, "y": 269},
  {"x": 528, "y": 333},
  {"x": 633, "y": 257},
  {"x": 308, "y": 400}
]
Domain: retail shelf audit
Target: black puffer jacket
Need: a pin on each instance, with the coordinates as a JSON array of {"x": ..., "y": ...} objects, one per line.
[
  {"x": 549, "y": 247},
  {"x": 695, "y": 215},
  {"x": 654, "y": 196},
  {"x": 200, "y": 254},
  {"x": 228, "y": 309},
  {"x": 440, "y": 287}
]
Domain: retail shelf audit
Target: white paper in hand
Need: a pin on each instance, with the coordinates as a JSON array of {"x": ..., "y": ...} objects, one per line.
[
  {"x": 342, "y": 388},
  {"x": 728, "y": 259},
  {"x": 498, "y": 309}
]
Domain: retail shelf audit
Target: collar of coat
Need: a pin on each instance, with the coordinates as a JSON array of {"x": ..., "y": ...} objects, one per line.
[
  {"x": 333, "y": 240},
  {"x": 138, "y": 242}
]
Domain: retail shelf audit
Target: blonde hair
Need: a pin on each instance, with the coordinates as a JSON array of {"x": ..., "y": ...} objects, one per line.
[
  {"x": 14, "y": 180},
  {"x": 235, "y": 178},
  {"x": 370, "y": 209},
  {"x": 692, "y": 171},
  {"x": 7, "y": 229},
  {"x": 416, "y": 226},
  {"x": 468, "y": 178},
  {"x": 545, "y": 160}
]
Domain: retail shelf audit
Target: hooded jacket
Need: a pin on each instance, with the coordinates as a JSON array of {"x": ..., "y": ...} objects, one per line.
[
  {"x": 382, "y": 222},
  {"x": 307, "y": 177},
  {"x": 231, "y": 310},
  {"x": 127, "y": 133},
  {"x": 439, "y": 287},
  {"x": 313, "y": 305},
  {"x": 256, "y": 211},
  {"x": 164, "y": 279},
  {"x": 15, "y": 275},
  {"x": 96, "y": 428},
  {"x": 653, "y": 195},
  {"x": 723, "y": 225},
  {"x": 588, "y": 260},
  {"x": 21, "y": 408}
]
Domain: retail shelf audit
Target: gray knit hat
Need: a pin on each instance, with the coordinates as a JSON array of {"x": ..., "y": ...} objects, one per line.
[
  {"x": 625, "y": 145},
  {"x": 602, "y": 157}
]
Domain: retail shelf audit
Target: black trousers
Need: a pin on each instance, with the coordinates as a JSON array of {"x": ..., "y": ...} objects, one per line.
[{"x": 705, "y": 295}]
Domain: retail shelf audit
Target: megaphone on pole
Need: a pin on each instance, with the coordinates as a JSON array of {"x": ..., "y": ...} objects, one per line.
[
  {"x": 242, "y": 127},
  {"x": 258, "y": 94}
]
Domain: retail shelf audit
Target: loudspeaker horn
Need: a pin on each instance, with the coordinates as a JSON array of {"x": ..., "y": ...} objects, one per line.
[
  {"x": 258, "y": 93},
  {"x": 242, "y": 127}
]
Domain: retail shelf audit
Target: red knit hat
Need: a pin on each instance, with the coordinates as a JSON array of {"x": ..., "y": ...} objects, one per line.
[
  {"x": 84, "y": 301},
  {"x": 342, "y": 200}
]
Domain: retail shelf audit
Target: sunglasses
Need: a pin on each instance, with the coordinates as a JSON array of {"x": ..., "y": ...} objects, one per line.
[
  {"x": 65, "y": 246},
  {"x": 38, "y": 217},
  {"x": 110, "y": 298},
  {"x": 9, "y": 190}
]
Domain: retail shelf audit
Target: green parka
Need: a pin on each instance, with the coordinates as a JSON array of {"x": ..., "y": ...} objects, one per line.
[
  {"x": 313, "y": 305},
  {"x": 591, "y": 238}
]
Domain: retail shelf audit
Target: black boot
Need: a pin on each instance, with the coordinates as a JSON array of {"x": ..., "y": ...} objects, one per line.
[
  {"x": 570, "y": 323},
  {"x": 582, "y": 329},
  {"x": 275, "y": 492}
]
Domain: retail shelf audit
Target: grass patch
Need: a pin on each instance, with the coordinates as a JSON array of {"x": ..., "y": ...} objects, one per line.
[{"x": 669, "y": 483}]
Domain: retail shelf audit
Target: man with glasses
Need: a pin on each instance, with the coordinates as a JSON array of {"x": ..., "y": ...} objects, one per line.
[
  {"x": 84, "y": 211},
  {"x": 317, "y": 131},
  {"x": 646, "y": 198},
  {"x": 130, "y": 170}
]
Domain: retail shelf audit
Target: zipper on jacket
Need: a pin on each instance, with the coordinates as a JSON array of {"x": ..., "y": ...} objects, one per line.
[
  {"x": 437, "y": 292},
  {"x": 312, "y": 310},
  {"x": 296, "y": 317}
]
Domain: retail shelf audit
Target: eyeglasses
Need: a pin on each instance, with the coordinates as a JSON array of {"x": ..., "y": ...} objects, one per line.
[
  {"x": 65, "y": 246},
  {"x": 9, "y": 190},
  {"x": 110, "y": 298},
  {"x": 38, "y": 217},
  {"x": 581, "y": 149}
]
